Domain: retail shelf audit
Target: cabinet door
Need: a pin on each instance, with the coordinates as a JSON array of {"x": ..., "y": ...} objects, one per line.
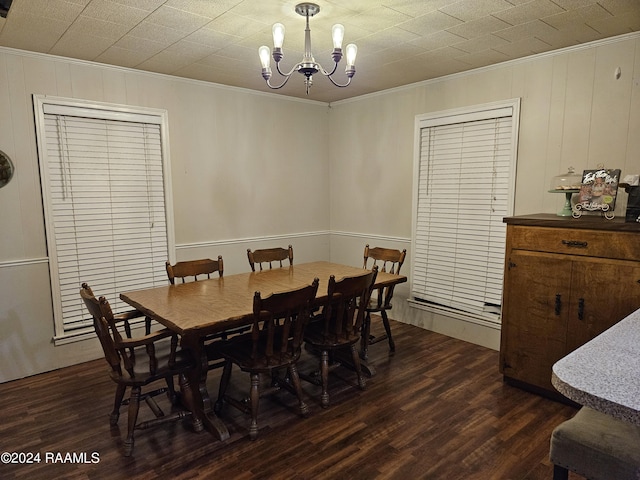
[
  {"x": 603, "y": 292},
  {"x": 536, "y": 308}
]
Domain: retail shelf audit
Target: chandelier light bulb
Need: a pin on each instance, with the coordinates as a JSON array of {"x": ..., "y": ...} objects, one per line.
[
  {"x": 278, "y": 35},
  {"x": 337, "y": 32},
  {"x": 352, "y": 51},
  {"x": 265, "y": 56}
]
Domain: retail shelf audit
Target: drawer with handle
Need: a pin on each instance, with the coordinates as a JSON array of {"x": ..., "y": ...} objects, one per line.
[{"x": 592, "y": 243}]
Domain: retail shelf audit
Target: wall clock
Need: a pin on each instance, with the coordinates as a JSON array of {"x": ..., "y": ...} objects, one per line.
[{"x": 6, "y": 169}]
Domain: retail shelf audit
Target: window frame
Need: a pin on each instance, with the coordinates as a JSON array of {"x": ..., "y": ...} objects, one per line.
[
  {"x": 92, "y": 109},
  {"x": 450, "y": 117}
]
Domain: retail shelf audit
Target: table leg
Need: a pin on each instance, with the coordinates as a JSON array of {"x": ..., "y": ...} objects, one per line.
[
  {"x": 202, "y": 414},
  {"x": 344, "y": 357},
  {"x": 367, "y": 368}
]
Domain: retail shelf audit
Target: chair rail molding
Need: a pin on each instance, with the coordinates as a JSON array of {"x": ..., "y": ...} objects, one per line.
[
  {"x": 23, "y": 262},
  {"x": 248, "y": 240},
  {"x": 371, "y": 236}
]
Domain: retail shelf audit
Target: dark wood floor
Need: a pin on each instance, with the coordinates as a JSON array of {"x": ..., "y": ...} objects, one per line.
[{"x": 437, "y": 409}]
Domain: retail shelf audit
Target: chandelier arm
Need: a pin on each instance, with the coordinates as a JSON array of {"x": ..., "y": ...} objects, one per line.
[
  {"x": 339, "y": 84},
  {"x": 293, "y": 69},
  {"x": 276, "y": 87},
  {"x": 325, "y": 73},
  {"x": 286, "y": 76}
]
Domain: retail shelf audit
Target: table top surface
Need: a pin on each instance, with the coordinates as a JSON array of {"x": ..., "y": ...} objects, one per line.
[
  {"x": 604, "y": 373},
  {"x": 215, "y": 305}
]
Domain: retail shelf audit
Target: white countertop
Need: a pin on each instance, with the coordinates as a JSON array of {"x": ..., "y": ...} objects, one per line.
[{"x": 604, "y": 373}]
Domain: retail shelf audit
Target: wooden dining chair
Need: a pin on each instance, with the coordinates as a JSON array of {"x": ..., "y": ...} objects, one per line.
[
  {"x": 138, "y": 362},
  {"x": 389, "y": 260},
  {"x": 274, "y": 344},
  {"x": 270, "y": 256},
  {"x": 338, "y": 327},
  {"x": 191, "y": 270}
]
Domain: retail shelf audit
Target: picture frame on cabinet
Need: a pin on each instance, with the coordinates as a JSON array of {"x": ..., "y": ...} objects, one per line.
[{"x": 599, "y": 190}]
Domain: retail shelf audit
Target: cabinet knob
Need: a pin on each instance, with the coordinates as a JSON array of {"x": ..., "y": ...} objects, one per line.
[
  {"x": 574, "y": 243},
  {"x": 558, "y": 304},
  {"x": 581, "y": 309}
]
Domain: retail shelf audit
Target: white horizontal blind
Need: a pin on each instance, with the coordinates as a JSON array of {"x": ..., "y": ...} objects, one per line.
[
  {"x": 463, "y": 193},
  {"x": 105, "y": 199}
]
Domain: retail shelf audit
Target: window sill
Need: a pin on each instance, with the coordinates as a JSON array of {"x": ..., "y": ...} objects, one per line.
[
  {"x": 88, "y": 333},
  {"x": 457, "y": 314},
  {"x": 73, "y": 336}
]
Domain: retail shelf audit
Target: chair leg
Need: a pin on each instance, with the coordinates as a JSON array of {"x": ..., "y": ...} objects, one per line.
[
  {"x": 134, "y": 406},
  {"x": 147, "y": 325},
  {"x": 254, "y": 399},
  {"x": 324, "y": 375},
  {"x": 560, "y": 473},
  {"x": 275, "y": 380},
  {"x": 387, "y": 327},
  {"x": 171, "y": 391},
  {"x": 356, "y": 363},
  {"x": 295, "y": 381},
  {"x": 115, "y": 415},
  {"x": 224, "y": 383},
  {"x": 365, "y": 336}
]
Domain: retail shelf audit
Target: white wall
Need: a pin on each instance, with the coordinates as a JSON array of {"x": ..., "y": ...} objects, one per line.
[
  {"x": 237, "y": 160},
  {"x": 237, "y": 163},
  {"x": 574, "y": 112}
]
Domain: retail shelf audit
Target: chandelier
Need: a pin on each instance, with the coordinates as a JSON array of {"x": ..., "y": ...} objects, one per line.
[{"x": 308, "y": 66}]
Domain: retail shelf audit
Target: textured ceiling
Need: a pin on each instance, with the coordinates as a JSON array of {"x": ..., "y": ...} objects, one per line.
[{"x": 399, "y": 41}]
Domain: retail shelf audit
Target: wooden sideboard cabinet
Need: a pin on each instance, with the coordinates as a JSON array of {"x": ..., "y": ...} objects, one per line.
[{"x": 566, "y": 280}]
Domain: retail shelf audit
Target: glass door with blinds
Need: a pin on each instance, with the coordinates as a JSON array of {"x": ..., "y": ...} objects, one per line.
[
  {"x": 107, "y": 203},
  {"x": 463, "y": 188}
]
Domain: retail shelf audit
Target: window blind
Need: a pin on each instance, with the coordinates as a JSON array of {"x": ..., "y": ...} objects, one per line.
[
  {"x": 104, "y": 194},
  {"x": 463, "y": 193}
]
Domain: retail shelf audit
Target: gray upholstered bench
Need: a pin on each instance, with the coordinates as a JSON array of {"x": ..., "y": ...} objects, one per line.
[{"x": 596, "y": 446}]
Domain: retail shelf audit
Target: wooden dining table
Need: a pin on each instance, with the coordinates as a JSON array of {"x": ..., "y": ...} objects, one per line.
[{"x": 196, "y": 310}]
